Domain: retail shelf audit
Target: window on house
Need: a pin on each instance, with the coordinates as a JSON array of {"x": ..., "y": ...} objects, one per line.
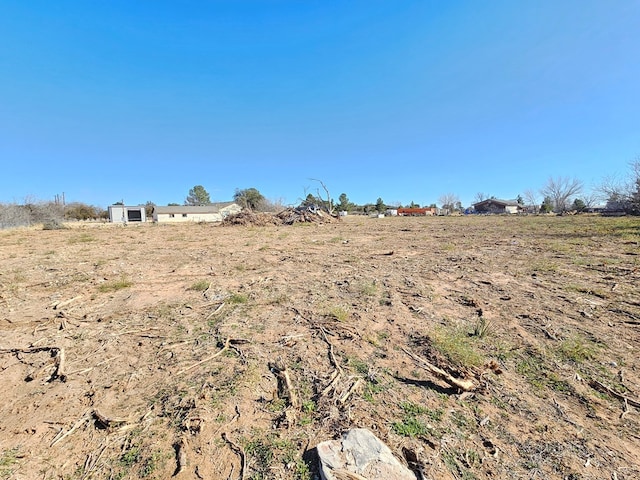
[
  {"x": 184, "y": 215},
  {"x": 171, "y": 215},
  {"x": 134, "y": 215}
]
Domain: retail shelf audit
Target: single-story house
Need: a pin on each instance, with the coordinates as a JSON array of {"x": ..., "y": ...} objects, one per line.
[
  {"x": 495, "y": 205},
  {"x": 216, "y": 212},
  {"x": 416, "y": 211},
  {"x": 125, "y": 214}
]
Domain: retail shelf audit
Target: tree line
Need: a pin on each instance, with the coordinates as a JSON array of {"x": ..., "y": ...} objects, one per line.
[{"x": 559, "y": 194}]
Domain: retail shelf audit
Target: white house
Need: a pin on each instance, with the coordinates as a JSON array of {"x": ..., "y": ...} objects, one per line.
[
  {"x": 216, "y": 212},
  {"x": 125, "y": 214}
]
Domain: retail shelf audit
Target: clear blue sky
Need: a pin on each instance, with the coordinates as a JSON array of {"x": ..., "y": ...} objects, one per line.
[{"x": 404, "y": 100}]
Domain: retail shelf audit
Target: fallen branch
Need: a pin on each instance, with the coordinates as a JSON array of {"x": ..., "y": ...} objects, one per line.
[
  {"x": 345, "y": 396},
  {"x": 58, "y": 306},
  {"x": 285, "y": 381},
  {"x": 337, "y": 373},
  {"x": 211, "y": 357},
  {"x": 604, "y": 389},
  {"x": 214, "y": 312},
  {"x": 59, "y": 361},
  {"x": 61, "y": 436},
  {"x": 181, "y": 456},
  {"x": 466, "y": 385},
  {"x": 60, "y": 367},
  {"x": 238, "y": 449}
]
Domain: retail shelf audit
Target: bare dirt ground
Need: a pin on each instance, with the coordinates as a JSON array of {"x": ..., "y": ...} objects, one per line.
[{"x": 210, "y": 352}]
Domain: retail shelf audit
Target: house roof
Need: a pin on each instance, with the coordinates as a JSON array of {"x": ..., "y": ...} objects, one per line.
[
  {"x": 497, "y": 201},
  {"x": 213, "y": 208}
]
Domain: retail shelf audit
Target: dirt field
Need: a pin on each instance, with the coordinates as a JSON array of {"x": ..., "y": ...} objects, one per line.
[{"x": 210, "y": 352}]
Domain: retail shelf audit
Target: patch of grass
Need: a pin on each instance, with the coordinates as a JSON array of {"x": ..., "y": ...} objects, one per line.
[
  {"x": 368, "y": 289},
  {"x": 454, "y": 464},
  {"x": 82, "y": 238},
  {"x": 577, "y": 349},
  {"x": 542, "y": 266},
  {"x": 151, "y": 464},
  {"x": 458, "y": 347},
  {"x": 410, "y": 426},
  {"x": 238, "y": 298},
  {"x": 8, "y": 460},
  {"x": 383, "y": 335},
  {"x": 265, "y": 452},
  {"x": 372, "y": 388},
  {"x": 199, "y": 286},
  {"x": 340, "y": 314},
  {"x": 359, "y": 366},
  {"x": 115, "y": 285},
  {"x": 482, "y": 328},
  {"x": 129, "y": 458},
  {"x": 413, "y": 408}
]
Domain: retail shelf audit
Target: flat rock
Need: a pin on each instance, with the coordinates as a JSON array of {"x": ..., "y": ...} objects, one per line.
[{"x": 361, "y": 453}]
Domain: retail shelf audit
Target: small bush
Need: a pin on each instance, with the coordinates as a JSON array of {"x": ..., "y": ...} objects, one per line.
[
  {"x": 199, "y": 286},
  {"x": 238, "y": 298},
  {"x": 54, "y": 225},
  {"x": 115, "y": 285}
]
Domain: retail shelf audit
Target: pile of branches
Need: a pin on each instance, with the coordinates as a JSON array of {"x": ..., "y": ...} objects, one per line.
[
  {"x": 288, "y": 216},
  {"x": 304, "y": 215},
  {"x": 249, "y": 217}
]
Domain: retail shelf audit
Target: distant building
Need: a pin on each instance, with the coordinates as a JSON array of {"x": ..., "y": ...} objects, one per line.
[
  {"x": 416, "y": 211},
  {"x": 496, "y": 206},
  {"x": 126, "y": 214},
  {"x": 216, "y": 212}
]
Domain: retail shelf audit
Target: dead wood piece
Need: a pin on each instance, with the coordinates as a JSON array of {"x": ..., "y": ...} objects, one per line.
[
  {"x": 28, "y": 350},
  {"x": 60, "y": 367},
  {"x": 239, "y": 450},
  {"x": 62, "y": 434},
  {"x": 345, "y": 396},
  {"x": 465, "y": 385},
  {"x": 335, "y": 376},
  {"x": 58, "y": 361},
  {"x": 59, "y": 305},
  {"x": 285, "y": 381},
  {"x": 211, "y": 357},
  {"x": 38, "y": 372},
  {"x": 107, "y": 422},
  {"x": 181, "y": 456},
  {"x": 215, "y": 311},
  {"x": 604, "y": 389}
]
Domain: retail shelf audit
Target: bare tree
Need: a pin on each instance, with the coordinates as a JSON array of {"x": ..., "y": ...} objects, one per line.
[
  {"x": 623, "y": 194},
  {"x": 591, "y": 199},
  {"x": 448, "y": 201},
  {"x": 480, "y": 196},
  {"x": 532, "y": 200},
  {"x": 329, "y": 202},
  {"x": 561, "y": 190}
]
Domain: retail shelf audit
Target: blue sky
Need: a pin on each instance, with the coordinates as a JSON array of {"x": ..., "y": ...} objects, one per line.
[{"x": 404, "y": 100}]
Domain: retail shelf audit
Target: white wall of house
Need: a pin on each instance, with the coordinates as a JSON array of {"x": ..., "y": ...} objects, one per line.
[
  {"x": 185, "y": 213},
  {"x": 125, "y": 214},
  {"x": 511, "y": 208},
  {"x": 187, "y": 217}
]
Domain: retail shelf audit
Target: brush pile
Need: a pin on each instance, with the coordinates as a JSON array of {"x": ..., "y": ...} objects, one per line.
[
  {"x": 248, "y": 217},
  {"x": 288, "y": 216}
]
